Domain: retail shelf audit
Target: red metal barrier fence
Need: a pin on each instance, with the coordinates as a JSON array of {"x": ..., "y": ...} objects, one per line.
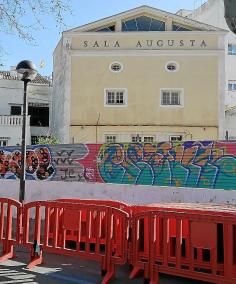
[
  {"x": 116, "y": 204},
  {"x": 96, "y": 232},
  {"x": 193, "y": 241},
  {"x": 10, "y": 226}
]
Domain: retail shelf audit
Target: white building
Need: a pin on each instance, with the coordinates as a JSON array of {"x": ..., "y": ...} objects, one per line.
[
  {"x": 212, "y": 12},
  {"x": 39, "y": 95},
  {"x": 230, "y": 122}
]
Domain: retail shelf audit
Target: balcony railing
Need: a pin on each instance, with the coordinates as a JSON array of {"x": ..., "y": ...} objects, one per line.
[{"x": 14, "y": 120}]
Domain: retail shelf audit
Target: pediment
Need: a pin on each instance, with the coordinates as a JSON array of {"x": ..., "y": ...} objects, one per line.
[{"x": 144, "y": 18}]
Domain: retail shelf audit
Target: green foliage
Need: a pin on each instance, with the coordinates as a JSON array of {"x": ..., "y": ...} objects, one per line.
[{"x": 48, "y": 140}]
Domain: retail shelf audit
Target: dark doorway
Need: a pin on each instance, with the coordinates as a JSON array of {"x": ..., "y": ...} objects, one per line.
[{"x": 39, "y": 115}]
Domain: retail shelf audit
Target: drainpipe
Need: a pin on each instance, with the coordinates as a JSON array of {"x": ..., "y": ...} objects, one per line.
[{"x": 97, "y": 127}]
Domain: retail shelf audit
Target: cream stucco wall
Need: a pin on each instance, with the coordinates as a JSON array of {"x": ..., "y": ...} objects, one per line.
[
  {"x": 144, "y": 40},
  {"x": 144, "y": 77},
  {"x": 86, "y": 134},
  {"x": 143, "y": 55}
]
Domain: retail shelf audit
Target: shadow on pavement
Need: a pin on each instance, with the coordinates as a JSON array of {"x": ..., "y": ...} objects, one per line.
[{"x": 64, "y": 269}]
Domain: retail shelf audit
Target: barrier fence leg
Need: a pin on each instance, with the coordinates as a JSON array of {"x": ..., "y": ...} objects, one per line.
[
  {"x": 107, "y": 263},
  {"x": 153, "y": 274},
  {"x": 109, "y": 275},
  {"x": 108, "y": 271},
  {"x": 7, "y": 251},
  {"x": 36, "y": 256},
  {"x": 135, "y": 271},
  {"x": 155, "y": 277}
]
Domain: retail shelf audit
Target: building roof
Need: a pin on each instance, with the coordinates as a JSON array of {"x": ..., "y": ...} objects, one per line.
[
  {"x": 148, "y": 11},
  {"x": 7, "y": 75}
]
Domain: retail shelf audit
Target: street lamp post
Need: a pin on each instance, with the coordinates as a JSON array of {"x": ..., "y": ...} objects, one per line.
[{"x": 26, "y": 72}]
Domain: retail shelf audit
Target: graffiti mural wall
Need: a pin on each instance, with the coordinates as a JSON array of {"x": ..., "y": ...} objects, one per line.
[
  {"x": 186, "y": 164},
  {"x": 207, "y": 164},
  {"x": 38, "y": 163}
]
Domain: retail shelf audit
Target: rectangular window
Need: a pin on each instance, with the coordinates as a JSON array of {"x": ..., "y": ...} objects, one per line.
[
  {"x": 3, "y": 141},
  {"x": 39, "y": 114},
  {"x": 15, "y": 110},
  {"x": 148, "y": 139},
  {"x": 232, "y": 86},
  {"x": 232, "y": 49},
  {"x": 110, "y": 98},
  {"x": 110, "y": 138},
  {"x": 142, "y": 138},
  {"x": 171, "y": 98},
  {"x": 136, "y": 139},
  {"x": 174, "y": 138},
  {"x": 115, "y": 97}
]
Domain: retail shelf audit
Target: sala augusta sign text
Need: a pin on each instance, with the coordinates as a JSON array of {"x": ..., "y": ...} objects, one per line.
[{"x": 149, "y": 43}]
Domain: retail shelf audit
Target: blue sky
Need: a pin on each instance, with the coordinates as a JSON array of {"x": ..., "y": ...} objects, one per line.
[{"x": 84, "y": 11}]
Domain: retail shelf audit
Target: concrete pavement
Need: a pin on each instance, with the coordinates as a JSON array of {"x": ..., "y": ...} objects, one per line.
[{"x": 66, "y": 270}]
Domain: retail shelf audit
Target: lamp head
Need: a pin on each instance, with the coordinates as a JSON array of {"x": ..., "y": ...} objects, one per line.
[
  {"x": 230, "y": 14},
  {"x": 26, "y": 70}
]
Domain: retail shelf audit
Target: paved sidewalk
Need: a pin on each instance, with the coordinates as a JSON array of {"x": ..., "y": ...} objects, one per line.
[{"x": 65, "y": 270}]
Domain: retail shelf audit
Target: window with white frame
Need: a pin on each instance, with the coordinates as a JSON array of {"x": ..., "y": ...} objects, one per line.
[
  {"x": 175, "y": 138},
  {"x": 232, "y": 86},
  {"x": 136, "y": 139},
  {"x": 142, "y": 138},
  {"x": 232, "y": 49},
  {"x": 171, "y": 97},
  {"x": 115, "y": 97},
  {"x": 4, "y": 141},
  {"x": 110, "y": 138},
  {"x": 148, "y": 139}
]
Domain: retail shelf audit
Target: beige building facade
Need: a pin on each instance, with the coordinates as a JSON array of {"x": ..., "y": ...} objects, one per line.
[{"x": 144, "y": 75}]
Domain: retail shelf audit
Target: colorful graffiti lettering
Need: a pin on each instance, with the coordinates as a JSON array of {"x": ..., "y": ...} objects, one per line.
[
  {"x": 205, "y": 164},
  {"x": 38, "y": 163}
]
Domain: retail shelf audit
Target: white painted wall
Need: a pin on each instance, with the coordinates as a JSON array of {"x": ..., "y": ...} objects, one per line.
[
  {"x": 230, "y": 121},
  {"x": 133, "y": 194},
  {"x": 40, "y": 131},
  {"x": 230, "y": 99},
  {"x": 60, "y": 119},
  {"x": 11, "y": 93},
  {"x": 212, "y": 12},
  {"x": 13, "y": 134}
]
